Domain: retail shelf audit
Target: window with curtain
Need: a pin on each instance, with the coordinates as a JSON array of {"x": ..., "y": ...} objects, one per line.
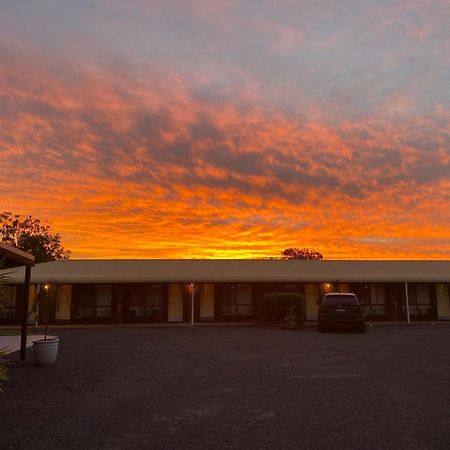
[
  {"x": 153, "y": 301},
  {"x": 102, "y": 303}
]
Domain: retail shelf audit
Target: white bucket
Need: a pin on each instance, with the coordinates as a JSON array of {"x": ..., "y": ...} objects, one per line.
[{"x": 45, "y": 351}]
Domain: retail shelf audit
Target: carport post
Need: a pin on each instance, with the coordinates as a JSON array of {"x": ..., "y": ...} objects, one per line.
[
  {"x": 192, "y": 303},
  {"x": 407, "y": 303},
  {"x": 26, "y": 294}
]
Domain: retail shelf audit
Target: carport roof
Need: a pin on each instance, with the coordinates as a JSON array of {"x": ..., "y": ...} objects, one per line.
[
  {"x": 14, "y": 256},
  {"x": 236, "y": 270}
]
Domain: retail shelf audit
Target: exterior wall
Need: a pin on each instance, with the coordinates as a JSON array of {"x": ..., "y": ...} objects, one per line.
[
  {"x": 207, "y": 302},
  {"x": 175, "y": 303},
  {"x": 164, "y": 302},
  {"x": 443, "y": 301},
  {"x": 312, "y": 296},
  {"x": 63, "y": 302},
  {"x": 32, "y": 303}
]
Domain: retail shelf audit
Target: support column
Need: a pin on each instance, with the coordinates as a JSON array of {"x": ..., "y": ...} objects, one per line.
[
  {"x": 407, "y": 303},
  {"x": 26, "y": 293},
  {"x": 192, "y": 286}
]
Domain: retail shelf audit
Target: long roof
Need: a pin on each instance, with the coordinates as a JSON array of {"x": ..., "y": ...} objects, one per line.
[{"x": 235, "y": 270}]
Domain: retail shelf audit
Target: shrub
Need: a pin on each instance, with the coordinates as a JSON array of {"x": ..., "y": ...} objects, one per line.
[
  {"x": 3, "y": 372},
  {"x": 286, "y": 308}
]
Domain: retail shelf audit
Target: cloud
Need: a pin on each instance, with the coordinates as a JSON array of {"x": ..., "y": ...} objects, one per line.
[{"x": 161, "y": 159}]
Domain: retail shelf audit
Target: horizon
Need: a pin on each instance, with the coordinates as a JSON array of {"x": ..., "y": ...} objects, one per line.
[{"x": 229, "y": 130}]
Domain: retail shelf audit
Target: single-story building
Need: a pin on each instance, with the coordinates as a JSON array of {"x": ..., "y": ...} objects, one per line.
[{"x": 156, "y": 290}]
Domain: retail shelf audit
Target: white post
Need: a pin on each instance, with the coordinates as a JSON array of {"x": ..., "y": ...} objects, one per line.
[
  {"x": 192, "y": 303},
  {"x": 407, "y": 303}
]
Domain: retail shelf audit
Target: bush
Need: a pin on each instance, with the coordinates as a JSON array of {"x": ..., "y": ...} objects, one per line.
[
  {"x": 3, "y": 372},
  {"x": 284, "y": 308}
]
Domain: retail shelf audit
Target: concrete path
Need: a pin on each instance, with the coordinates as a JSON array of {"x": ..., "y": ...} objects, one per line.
[{"x": 12, "y": 343}]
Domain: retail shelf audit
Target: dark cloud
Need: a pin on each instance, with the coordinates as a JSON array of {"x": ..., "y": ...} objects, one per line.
[{"x": 240, "y": 116}]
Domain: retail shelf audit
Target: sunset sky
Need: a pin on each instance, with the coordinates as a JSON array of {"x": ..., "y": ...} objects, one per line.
[{"x": 229, "y": 129}]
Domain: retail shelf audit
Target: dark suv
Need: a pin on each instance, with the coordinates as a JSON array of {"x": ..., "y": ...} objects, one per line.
[{"x": 339, "y": 309}]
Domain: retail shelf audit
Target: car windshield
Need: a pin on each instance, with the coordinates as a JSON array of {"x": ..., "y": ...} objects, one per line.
[{"x": 333, "y": 300}]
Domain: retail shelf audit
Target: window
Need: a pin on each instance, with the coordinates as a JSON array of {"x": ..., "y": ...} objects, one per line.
[
  {"x": 103, "y": 297},
  {"x": 378, "y": 294},
  {"x": 335, "y": 300},
  {"x": 229, "y": 301},
  {"x": 423, "y": 298},
  {"x": 85, "y": 301},
  {"x": 153, "y": 301},
  {"x": 423, "y": 294},
  {"x": 244, "y": 299},
  {"x": 135, "y": 297},
  {"x": 237, "y": 300},
  {"x": 377, "y": 300}
]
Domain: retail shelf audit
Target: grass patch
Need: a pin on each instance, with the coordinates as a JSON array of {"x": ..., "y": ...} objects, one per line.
[{"x": 9, "y": 332}]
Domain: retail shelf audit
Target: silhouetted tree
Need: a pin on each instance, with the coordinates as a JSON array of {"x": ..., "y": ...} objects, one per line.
[
  {"x": 32, "y": 236},
  {"x": 302, "y": 253}
]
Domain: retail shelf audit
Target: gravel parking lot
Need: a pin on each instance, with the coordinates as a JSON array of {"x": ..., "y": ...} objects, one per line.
[{"x": 234, "y": 387}]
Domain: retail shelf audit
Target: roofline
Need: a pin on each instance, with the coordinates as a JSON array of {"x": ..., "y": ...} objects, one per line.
[{"x": 238, "y": 271}]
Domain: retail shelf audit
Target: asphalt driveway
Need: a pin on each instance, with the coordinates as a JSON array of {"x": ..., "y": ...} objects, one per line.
[{"x": 234, "y": 387}]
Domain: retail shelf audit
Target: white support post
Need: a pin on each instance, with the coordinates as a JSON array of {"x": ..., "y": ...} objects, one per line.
[
  {"x": 192, "y": 303},
  {"x": 407, "y": 303}
]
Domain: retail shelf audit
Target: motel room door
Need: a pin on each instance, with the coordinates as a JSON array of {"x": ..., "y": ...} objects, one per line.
[{"x": 175, "y": 306}]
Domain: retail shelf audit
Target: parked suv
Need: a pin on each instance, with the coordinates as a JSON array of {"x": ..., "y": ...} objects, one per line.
[{"x": 341, "y": 309}]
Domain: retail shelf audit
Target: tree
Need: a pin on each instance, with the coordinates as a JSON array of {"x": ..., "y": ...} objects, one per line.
[
  {"x": 303, "y": 253},
  {"x": 32, "y": 236}
]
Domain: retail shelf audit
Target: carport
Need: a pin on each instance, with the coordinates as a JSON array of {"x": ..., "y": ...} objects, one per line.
[{"x": 13, "y": 257}]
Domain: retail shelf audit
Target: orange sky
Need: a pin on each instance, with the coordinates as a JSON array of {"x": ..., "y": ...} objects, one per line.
[{"x": 238, "y": 134}]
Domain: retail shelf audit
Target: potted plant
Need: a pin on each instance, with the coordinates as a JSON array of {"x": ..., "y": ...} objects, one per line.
[{"x": 46, "y": 350}]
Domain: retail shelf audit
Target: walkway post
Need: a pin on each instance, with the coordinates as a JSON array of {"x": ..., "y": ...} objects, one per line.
[
  {"x": 407, "y": 303},
  {"x": 192, "y": 285},
  {"x": 26, "y": 294}
]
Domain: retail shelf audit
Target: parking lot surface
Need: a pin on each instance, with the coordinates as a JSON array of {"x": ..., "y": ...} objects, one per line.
[{"x": 233, "y": 387}]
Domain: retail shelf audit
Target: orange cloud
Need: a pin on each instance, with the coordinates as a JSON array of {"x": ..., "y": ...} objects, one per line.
[{"x": 140, "y": 166}]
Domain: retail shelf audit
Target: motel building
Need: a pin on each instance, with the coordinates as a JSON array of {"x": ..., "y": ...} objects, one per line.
[{"x": 161, "y": 291}]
